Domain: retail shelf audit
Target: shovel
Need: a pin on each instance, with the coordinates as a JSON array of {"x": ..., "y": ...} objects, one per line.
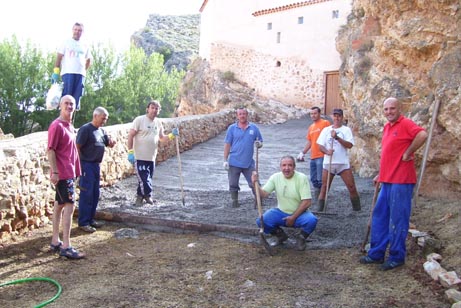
[
  {"x": 328, "y": 178},
  {"x": 263, "y": 239},
  {"x": 180, "y": 172},
  {"x": 367, "y": 234}
]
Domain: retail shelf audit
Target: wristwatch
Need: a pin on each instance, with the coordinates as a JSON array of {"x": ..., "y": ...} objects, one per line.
[{"x": 336, "y": 137}]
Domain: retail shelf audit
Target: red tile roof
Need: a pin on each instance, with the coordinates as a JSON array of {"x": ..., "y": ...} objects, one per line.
[
  {"x": 286, "y": 7},
  {"x": 276, "y": 9}
]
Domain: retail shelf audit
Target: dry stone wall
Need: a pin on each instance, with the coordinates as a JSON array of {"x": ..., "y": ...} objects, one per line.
[
  {"x": 291, "y": 80},
  {"x": 26, "y": 194}
]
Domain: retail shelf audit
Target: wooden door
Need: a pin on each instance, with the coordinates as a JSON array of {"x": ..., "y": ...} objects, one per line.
[{"x": 332, "y": 98}]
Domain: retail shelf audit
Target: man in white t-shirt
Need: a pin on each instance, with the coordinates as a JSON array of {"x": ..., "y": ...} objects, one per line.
[
  {"x": 334, "y": 142},
  {"x": 72, "y": 61},
  {"x": 143, "y": 139}
]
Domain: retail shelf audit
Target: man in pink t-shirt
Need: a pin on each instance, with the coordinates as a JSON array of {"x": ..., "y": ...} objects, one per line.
[
  {"x": 397, "y": 175},
  {"x": 64, "y": 168}
]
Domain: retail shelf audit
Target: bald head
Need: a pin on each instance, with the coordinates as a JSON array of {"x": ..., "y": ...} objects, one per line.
[{"x": 391, "y": 107}]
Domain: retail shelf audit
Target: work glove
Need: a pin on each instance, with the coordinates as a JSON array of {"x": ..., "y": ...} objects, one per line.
[
  {"x": 225, "y": 165},
  {"x": 55, "y": 75},
  {"x": 174, "y": 133},
  {"x": 300, "y": 156},
  {"x": 258, "y": 144},
  {"x": 131, "y": 158}
]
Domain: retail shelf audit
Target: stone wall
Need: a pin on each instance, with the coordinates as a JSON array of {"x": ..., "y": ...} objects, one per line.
[
  {"x": 291, "y": 80},
  {"x": 26, "y": 194}
]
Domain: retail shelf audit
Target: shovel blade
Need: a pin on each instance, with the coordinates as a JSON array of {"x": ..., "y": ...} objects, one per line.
[{"x": 265, "y": 244}]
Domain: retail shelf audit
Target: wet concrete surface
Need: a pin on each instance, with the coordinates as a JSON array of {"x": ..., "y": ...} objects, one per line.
[{"x": 207, "y": 199}]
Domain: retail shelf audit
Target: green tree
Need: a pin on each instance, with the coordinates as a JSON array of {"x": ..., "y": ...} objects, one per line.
[
  {"x": 23, "y": 84},
  {"x": 122, "y": 83},
  {"x": 99, "y": 85}
]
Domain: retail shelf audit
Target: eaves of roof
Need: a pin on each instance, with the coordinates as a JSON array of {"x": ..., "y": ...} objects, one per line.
[{"x": 285, "y": 7}]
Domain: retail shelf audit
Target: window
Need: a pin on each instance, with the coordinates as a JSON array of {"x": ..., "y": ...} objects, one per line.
[
  {"x": 335, "y": 14},
  {"x": 279, "y": 34},
  {"x": 300, "y": 20},
  {"x": 269, "y": 26}
]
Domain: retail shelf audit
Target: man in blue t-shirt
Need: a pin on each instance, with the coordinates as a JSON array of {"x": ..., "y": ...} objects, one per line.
[
  {"x": 91, "y": 143},
  {"x": 238, "y": 152}
]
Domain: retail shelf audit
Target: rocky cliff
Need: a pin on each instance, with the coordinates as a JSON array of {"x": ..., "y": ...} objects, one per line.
[
  {"x": 176, "y": 37},
  {"x": 409, "y": 49}
]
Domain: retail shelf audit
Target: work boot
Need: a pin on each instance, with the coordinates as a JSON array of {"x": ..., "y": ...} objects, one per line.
[
  {"x": 316, "y": 194},
  {"x": 280, "y": 237},
  {"x": 301, "y": 241},
  {"x": 149, "y": 200},
  {"x": 235, "y": 198},
  {"x": 356, "y": 204},
  {"x": 320, "y": 205},
  {"x": 139, "y": 200}
]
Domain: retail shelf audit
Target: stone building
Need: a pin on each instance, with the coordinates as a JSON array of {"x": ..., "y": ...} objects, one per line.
[{"x": 283, "y": 49}]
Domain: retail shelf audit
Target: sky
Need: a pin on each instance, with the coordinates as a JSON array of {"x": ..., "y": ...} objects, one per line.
[{"x": 46, "y": 23}]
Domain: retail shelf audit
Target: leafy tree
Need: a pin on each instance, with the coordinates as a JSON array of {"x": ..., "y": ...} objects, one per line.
[
  {"x": 23, "y": 84},
  {"x": 121, "y": 83}
]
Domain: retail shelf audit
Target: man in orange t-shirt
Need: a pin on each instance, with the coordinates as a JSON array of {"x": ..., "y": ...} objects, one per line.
[{"x": 316, "y": 164}]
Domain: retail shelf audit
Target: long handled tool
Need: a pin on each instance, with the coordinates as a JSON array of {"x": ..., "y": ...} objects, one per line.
[
  {"x": 367, "y": 234},
  {"x": 435, "y": 113},
  {"x": 328, "y": 178},
  {"x": 263, "y": 239},
  {"x": 180, "y": 172}
]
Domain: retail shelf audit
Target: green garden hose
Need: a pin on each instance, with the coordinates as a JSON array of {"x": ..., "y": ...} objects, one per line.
[{"x": 38, "y": 279}]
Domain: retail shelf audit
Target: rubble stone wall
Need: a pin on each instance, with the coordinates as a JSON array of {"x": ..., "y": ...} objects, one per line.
[
  {"x": 291, "y": 79},
  {"x": 26, "y": 194}
]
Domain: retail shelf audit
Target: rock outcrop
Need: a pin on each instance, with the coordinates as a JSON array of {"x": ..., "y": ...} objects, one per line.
[
  {"x": 176, "y": 37},
  {"x": 410, "y": 50}
]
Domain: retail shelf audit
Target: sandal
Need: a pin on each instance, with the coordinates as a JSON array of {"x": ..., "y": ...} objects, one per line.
[
  {"x": 55, "y": 248},
  {"x": 71, "y": 253}
]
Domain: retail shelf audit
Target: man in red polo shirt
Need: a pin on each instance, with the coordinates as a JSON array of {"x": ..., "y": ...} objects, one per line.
[{"x": 391, "y": 215}]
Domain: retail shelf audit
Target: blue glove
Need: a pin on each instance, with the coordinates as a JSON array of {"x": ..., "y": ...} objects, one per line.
[
  {"x": 55, "y": 75},
  {"x": 175, "y": 131},
  {"x": 131, "y": 158}
]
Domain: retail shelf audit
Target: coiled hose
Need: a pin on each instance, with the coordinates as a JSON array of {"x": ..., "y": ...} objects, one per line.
[{"x": 38, "y": 279}]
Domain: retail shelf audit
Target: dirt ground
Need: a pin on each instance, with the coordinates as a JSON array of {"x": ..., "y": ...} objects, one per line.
[{"x": 179, "y": 260}]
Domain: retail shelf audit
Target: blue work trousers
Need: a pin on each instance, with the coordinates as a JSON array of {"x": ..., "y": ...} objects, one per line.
[
  {"x": 73, "y": 85},
  {"x": 144, "y": 172},
  {"x": 274, "y": 218},
  {"x": 316, "y": 166},
  {"x": 89, "y": 192},
  {"x": 391, "y": 221}
]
